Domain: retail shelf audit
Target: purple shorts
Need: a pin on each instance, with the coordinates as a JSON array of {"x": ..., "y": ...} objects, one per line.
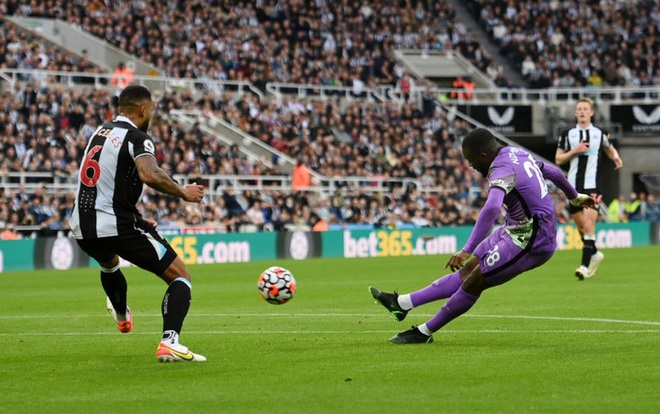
[{"x": 500, "y": 259}]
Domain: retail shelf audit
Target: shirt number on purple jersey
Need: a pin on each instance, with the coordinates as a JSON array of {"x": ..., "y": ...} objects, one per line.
[
  {"x": 533, "y": 170},
  {"x": 493, "y": 256}
]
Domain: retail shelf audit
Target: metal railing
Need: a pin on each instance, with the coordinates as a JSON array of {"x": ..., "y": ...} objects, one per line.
[
  {"x": 324, "y": 92},
  {"x": 647, "y": 94},
  {"x": 216, "y": 184},
  {"x": 30, "y": 181},
  {"x": 104, "y": 80}
]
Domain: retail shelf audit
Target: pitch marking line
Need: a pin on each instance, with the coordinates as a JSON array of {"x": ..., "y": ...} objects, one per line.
[
  {"x": 337, "y": 315},
  {"x": 333, "y": 332},
  {"x": 330, "y": 332}
]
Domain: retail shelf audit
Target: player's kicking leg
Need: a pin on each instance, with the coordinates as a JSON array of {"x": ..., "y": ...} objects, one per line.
[
  {"x": 164, "y": 262},
  {"x": 390, "y": 302},
  {"x": 176, "y": 303},
  {"x": 170, "y": 350},
  {"x": 400, "y": 305}
]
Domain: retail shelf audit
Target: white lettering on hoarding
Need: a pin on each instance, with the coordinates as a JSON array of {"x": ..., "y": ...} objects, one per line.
[
  {"x": 436, "y": 245},
  {"x": 568, "y": 238},
  {"x": 397, "y": 243},
  {"x": 360, "y": 246},
  {"x": 614, "y": 238},
  {"x": 561, "y": 237},
  {"x": 220, "y": 252}
]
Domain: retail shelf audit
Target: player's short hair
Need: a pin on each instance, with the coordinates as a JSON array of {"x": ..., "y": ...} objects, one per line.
[
  {"x": 133, "y": 95},
  {"x": 587, "y": 100},
  {"x": 480, "y": 140}
]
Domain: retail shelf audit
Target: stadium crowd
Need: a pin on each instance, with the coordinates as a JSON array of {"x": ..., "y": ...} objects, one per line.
[
  {"x": 552, "y": 43},
  {"x": 307, "y": 42},
  {"x": 383, "y": 141},
  {"x": 576, "y": 43},
  {"x": 45, "y": 128}
]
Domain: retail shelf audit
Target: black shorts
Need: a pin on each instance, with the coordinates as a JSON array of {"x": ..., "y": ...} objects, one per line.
[
  {"x": 574, "y": 209},
  {"x": 145, "y": 249}
]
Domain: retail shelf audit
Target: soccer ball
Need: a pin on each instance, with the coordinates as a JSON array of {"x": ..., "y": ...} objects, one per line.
[{"x": 276, "y": 285}]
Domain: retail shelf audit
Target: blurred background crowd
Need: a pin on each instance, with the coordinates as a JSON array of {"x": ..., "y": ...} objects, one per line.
[{"x": 45, "y": 125}]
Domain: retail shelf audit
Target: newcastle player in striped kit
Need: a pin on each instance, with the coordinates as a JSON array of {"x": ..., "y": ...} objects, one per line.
[
  {"x": 118, "y": 162},
  {"x": 581, "y": 147}
]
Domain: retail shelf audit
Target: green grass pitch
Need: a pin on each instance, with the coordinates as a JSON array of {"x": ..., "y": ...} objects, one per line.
[{"x": 543, "y": 343}]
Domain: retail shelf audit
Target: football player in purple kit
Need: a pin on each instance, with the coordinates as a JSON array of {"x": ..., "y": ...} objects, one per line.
[{"x": 527, "y": 239}]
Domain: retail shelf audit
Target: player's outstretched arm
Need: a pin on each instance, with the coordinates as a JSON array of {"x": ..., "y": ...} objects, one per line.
[
  {"x": 485, "y": 221},
  {"x": 155, "y": 177},
  {"x": 555, "y": 175}
]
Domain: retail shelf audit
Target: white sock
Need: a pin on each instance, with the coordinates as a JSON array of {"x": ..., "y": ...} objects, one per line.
[
  {"x": 423, "y": 329},
  {"x": 170, "y": 337},
  {"x": 405, "y": 301}
]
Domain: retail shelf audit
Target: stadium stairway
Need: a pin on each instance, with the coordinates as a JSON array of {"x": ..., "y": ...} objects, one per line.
[{"x": 249, "y": 146}]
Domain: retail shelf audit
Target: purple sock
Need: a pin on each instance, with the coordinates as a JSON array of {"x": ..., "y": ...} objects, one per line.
[
  {"x": 459, "y": 303},
  {"x": 440, "y": 289}
]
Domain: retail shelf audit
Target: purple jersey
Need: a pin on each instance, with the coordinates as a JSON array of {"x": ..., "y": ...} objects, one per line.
[{"x": 529, "y": 208}]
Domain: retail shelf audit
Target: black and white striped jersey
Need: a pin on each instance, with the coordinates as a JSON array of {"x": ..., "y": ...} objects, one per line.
[
  {"x": 583, "y": 168},
  {"x": 109, "y": 187}
]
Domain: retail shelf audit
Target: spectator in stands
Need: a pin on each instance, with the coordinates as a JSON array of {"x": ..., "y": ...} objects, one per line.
[
  {"x": 464, "y": 87},
  {"x": 122, "y": 76},
  {"x": 269, "y": 30},
  {"x": 256, "y": 215},
  {"x": 405, "y": 85},
  {"x": 643, "y": 205},
  {"x": 469, "y": 86},
  {"x": 528, "y": 67},
  {"x": 7, "y": 232},
  {"x": 652, "y": 208},
  {"x": 302, "y": 177},
  {"x": 551, "y": 32},
  {"x": 37, "y": 210},
  {"x": 336, "y": 212},
  {"x": 633, "y": 207},
  {"x": 616, "y": 211},
  {"x": 174, "y": 144},
  {"x": 283, "y": 220},
  {"x": 53, "y": 224},
  {"x": 234, "y": 209},
  {"x": 317, "y": 223}
]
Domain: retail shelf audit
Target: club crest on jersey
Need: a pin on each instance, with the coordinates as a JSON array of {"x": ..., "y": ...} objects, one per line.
[{"x": 149, "y": 146}]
